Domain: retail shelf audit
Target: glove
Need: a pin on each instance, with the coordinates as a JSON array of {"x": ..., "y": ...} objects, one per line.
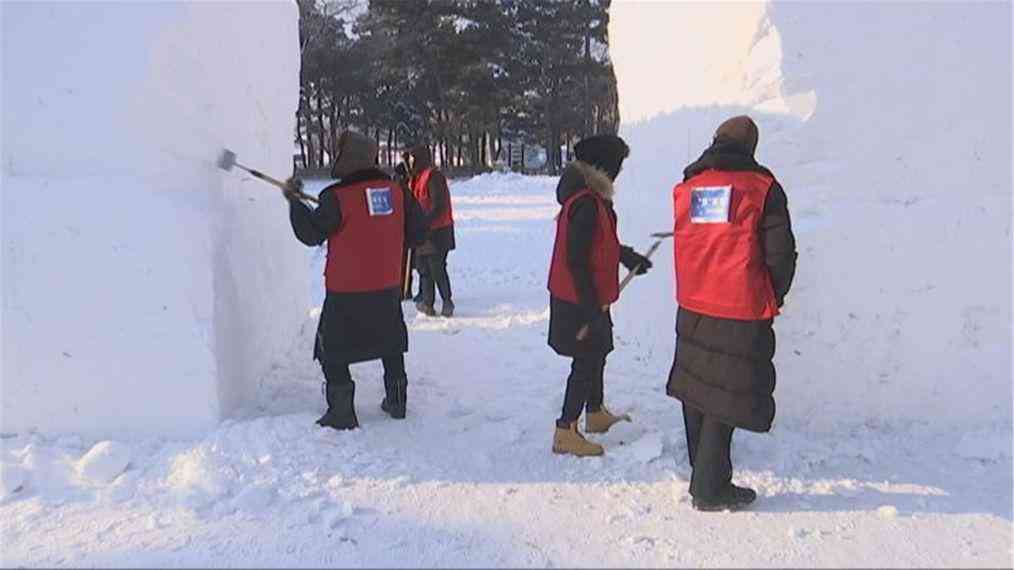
[
  {"x": 634, "y": 261},
  {"x": 293, "y": 189}
]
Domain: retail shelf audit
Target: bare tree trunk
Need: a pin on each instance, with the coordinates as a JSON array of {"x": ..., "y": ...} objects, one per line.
[
  {"x": 550, "y": 141},
  {"x": 586, "y": 112},
  {"x": 299, "y": 137},
  {"x": 323, "y": 131},
  {"x": 334, "y": 127},
  {"x": 348, "y": 112},
  {"x": 306, "y": 122},
  {"x": 390, "y": 146}
]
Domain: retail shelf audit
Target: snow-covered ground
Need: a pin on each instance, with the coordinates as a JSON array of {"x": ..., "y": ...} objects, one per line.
[{"x": 469, "y": 480}]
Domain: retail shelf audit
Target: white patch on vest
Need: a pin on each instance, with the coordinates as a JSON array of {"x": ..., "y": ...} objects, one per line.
[
  {"x": 710, "y": 204},
  {"x": 378, "y": 200}
]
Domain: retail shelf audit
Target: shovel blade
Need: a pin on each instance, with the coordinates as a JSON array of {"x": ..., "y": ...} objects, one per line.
[{"x": 227, "y": 160}]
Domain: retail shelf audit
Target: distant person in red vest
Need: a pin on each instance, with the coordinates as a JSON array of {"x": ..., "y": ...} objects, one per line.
[
  {"x": 735, "y": 257},
  {"x": 429, "y": 186},
  {"x": 365, "y": 220},
  {"x": 583, "y": 283}
]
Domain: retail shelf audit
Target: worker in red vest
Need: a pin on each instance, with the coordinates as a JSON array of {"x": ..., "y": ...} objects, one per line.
[
  {"x": 735, "y": 256},
  {"x": 365, "y": 220},
  {"x": 429, "y": 186},
  {"x": 583, "y": 283}
]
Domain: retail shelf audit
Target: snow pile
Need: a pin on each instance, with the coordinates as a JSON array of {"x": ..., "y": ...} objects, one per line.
[
  {"x": 898, "y": 173},
  {"x": 144, "y": 289}
]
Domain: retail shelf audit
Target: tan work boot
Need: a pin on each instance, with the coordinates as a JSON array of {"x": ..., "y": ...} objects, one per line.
[
  {"x": 569, "y": 440},
  {"x": 602, "y": 420}
]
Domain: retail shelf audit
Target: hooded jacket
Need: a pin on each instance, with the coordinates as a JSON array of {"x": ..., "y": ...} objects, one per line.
[
  {"x": 585, "y": 265},
  {"x": 354, "y": 326},
  {"x": 566, "y": 318},
  {"x": 723, "y": 367}
]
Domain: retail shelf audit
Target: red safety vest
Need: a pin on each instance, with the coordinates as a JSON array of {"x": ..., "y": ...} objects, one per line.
[
  {"x": 421, "y": 191},
  {"x": 605, "y": 255},
  {"x": 365, "y": 253},
  {"x": 720, "y": 270}
]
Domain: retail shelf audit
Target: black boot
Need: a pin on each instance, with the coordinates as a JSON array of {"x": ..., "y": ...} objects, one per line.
[
  {"x": 732, "y": 498},
  {"x": 341, "y": 411},
  {"x": 395, "y": 400}
]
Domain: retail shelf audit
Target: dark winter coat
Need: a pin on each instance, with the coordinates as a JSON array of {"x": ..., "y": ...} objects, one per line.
[
  {"x": 355, "y": 327},
  {"x": 724, "y": 367},
  {"x": 440, "y": 240},
  {"x": 566, "y": 318}
]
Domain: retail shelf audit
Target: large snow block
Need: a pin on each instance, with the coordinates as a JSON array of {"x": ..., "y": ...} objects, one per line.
[
  {"x": 890, "y": 130},
  {"x": 144, "y": 289}
]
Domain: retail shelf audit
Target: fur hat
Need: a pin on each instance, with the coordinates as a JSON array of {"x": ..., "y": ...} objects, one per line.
[
  {"x": 740, "y": 129},
  {"x": 355, "y": 152},
  {"x": 605, "y": 152}
]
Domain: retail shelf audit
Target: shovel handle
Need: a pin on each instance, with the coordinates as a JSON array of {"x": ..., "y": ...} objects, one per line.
[
  {"x": 582, "y": 333},
  {"x": 258, "y": 174}
]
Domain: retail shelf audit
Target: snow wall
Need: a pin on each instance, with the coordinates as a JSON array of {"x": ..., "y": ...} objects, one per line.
[
  {"x": 144, "y": 290},
  {"x": 889, "y": 125}
]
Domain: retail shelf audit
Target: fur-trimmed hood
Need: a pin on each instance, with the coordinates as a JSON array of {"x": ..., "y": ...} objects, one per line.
[
  {"x": 580, "y": 175},
  {"x": 355, "y": 152}
]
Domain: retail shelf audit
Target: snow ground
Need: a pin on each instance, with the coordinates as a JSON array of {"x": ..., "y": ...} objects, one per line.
[{"x": 468, "y": 478}]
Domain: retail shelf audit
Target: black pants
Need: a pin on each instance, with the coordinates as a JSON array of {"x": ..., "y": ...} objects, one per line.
[
  {"x": 584, "y": 387},
  {"x": 432, "y": 276},
  {"x": 338, "y": 374},
  {"x": 709, "y": 445}
]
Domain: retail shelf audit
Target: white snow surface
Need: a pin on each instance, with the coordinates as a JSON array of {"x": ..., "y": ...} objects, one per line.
[
  {"x": 889, "y": 126},
  {"x": 145, "y": 291},
  {"x": 468, "y": 479}
]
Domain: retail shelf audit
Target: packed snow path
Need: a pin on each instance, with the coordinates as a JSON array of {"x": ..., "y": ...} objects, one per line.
[{"x": 468, "y": 479}]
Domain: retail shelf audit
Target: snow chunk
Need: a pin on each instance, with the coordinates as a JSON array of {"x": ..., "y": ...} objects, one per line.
[
  {"x": 197, "y": 479},
  {"x": 888, "y": 512},
  {"x": 104, "y": 462},
  {"x": 646, "y": 449},
  {"x": 336, "y": 517},
  {"x": 12, "y": 479},
  {"x": 795, "y": 532}
]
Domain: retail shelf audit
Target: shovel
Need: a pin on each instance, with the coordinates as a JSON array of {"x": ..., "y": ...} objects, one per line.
[
  {"x": 582, "y": 333},
  {"x": 228, "y": 160}
]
